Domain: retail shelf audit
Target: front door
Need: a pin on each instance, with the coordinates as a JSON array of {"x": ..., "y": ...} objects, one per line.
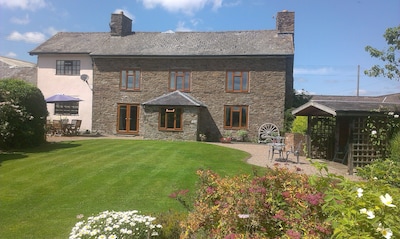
[{"x": 128, "y": 118}]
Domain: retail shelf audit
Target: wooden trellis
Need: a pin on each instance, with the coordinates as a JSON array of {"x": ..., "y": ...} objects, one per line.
[
  {"x": 362, "y": 151},
  {"x": 322, "y": 134}
]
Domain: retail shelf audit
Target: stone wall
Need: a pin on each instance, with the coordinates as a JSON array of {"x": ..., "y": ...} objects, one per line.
[
  {"x": 293, "y": 140},
  {"x": 150, "y": 125},
  {"x": 265, "y": 99}
]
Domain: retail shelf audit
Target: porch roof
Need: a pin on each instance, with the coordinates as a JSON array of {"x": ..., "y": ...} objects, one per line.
[
  {"x": 175, "y": 98},
  {"x": 348, "y": 105}
]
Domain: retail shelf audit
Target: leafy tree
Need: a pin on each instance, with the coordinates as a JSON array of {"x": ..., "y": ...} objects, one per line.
[
  {"x": 23, "y": 114},
  {"x": 389, "y": 56},
  {"x": 299, "y": 99}
]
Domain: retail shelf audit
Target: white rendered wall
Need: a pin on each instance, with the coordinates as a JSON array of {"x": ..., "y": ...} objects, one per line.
[{"x": 50, "y": 84}]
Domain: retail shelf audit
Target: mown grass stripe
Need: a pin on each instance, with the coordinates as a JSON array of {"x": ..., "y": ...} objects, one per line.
[{"x": 42, "y": 190}]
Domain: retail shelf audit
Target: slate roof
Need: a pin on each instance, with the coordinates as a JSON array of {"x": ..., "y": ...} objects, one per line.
[
  {"x": 348, "y": 105},
  {"x": 17, "y": 69},
  {"x": 175, "y": 98},
  {"x": 14, "y": 63},
  {"x": 228, "y": 43}
]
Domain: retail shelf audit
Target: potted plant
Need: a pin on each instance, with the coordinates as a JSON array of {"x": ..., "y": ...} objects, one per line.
[
  {"x": 227, "y": 138},
  {"x": 203, "y": 137},
  {"x": 242, "y": 135}
]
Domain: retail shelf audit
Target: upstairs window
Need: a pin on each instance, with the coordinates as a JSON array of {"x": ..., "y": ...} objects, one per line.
[
  {"x": 179, "y": 80},
  {"x": 237, "y": 81},
  {"x": 130, "y": 80},
  {"x": 235, "y": 117},
  {"x": 72, "y": 67},
  {"x": 170, "y": 119},
  {"x": 66, "y": 108}
]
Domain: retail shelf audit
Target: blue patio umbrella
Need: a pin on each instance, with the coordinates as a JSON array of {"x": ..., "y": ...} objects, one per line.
[{"x": 61, "y": 98}]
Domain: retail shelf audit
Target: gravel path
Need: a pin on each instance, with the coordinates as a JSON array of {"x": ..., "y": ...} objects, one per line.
[{"x": 259, "y": 156}]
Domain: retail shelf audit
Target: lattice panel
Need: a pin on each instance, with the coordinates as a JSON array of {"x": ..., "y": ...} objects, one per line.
[
  {"x": 322, "y": 132},
  {"x": 363, "y": 151}
]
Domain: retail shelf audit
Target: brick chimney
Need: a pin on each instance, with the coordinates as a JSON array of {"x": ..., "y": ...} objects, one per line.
[
  {"x": 285, "y": 22},
  {"x": 120, "y": 25}
]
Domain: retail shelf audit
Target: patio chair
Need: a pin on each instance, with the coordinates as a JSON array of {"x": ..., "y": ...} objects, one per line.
[
  {"x": 295, "y": 151},
  {"x": 75, "y": 126},
  {"x": 57, "y": 127}
]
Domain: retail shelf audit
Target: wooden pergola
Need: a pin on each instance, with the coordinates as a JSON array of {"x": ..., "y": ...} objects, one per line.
[{"x": 337, "y": 127}]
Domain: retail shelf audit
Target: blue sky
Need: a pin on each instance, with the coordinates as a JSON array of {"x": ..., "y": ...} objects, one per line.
[{"x": 330, "y": 36}]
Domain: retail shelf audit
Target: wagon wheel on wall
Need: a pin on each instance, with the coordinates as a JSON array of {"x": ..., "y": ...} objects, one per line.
[{"x": 266, "y": 131}]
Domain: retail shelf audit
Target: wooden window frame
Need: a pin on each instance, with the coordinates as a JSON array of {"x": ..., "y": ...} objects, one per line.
[
  {"x": 124, "y": 77},
  {"x": 230, "y": 81},
  {"x": 68, "y": 67},
  {"x": 163, "y": 119},
  {"x": 173, "y": 80},
  {"x": 231, "y": 117}
]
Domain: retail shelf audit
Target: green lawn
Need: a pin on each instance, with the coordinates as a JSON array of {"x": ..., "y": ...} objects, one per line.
[{"x": 43, "y": 190}]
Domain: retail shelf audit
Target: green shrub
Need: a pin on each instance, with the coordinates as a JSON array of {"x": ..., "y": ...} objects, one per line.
[
  {"x": 279, "y": 204},
  {"x": 171, "y": 224},
  {"x": 23, "y": 115},
  {"x": 363, "y": 210},
  {"x": 299, "y": 125},
  {"x": 386, "y": 171},
  {"x": 395, "y": 148}
]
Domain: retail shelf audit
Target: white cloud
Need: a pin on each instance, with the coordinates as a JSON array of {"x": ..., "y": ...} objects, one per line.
[
  {"x": 21, "y": 21},
  {"x": 52, "y": 31},
  {"x": 126, "y": 13},
  {"x": 181, "y": 27},
  {"x": 29, "y": 37},
  {"x": 185, "y": 6},
  {"x": 23, "y": 4},
  {"x": 11, "y": 54},
  {"x": 314, "y": 71}
]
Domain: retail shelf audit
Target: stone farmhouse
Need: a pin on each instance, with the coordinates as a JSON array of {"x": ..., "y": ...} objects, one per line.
[{"x": 173, "y": 85}]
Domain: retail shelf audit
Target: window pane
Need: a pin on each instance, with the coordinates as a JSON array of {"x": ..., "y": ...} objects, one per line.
[
  {"x": 122, "y": 118},
  {"x": 227, "y": 116},
  {"x": 130, "y": 82},
  {"x": 162, "y": 118},
  {"x": 244, "y": 117},
  {"x": 187, "y": 81},
  {"x": 170, "y": 120},
  {"x": 179, "y": 83},
  {"x": 237, "y": 83},
  {"x": 178, "y": 114},
  {"x": 244, "y": 81},
  {"x": 235, "y": 119},
  {"x": 133, "y": 118},
  {"x": 123, "y": 79}
]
